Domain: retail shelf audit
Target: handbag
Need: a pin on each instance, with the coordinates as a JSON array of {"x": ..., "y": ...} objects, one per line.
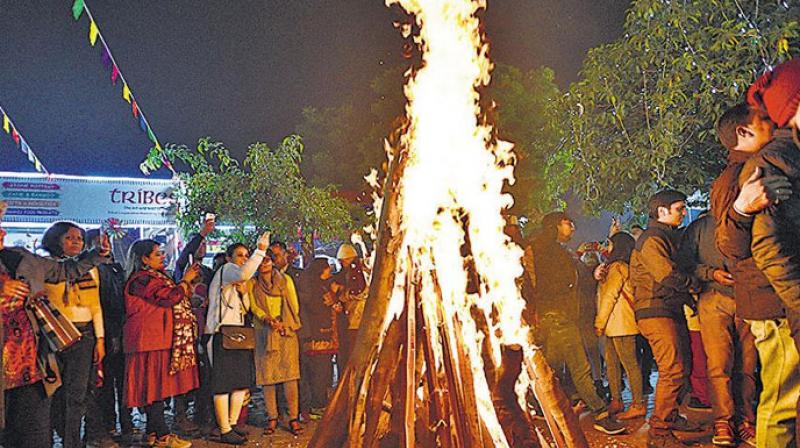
[
  {"x": 59, "y": 333},
  {"x": 235, "y": 337}
]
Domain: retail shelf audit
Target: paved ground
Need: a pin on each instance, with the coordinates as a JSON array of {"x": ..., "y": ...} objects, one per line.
[{"x": 636, "y": 437}]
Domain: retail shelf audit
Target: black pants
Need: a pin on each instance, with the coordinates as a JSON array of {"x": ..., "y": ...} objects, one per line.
[
  {"x": 69, "y": 401},
  {"x": 316, "y": 377},
  {"x": 27, "y": 418},
  {"x": 105, "y": 404},
  {"x": 155, "y": 419}
]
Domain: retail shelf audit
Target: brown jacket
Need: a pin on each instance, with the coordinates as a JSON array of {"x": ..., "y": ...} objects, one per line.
[
  {"x": 755, "y": 298},
  {"x": 776, "y": 231},
  {"x": 660, "y": 288}
]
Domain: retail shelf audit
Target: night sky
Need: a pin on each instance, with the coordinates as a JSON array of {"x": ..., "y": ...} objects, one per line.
[{"x": 238, "y": 71}]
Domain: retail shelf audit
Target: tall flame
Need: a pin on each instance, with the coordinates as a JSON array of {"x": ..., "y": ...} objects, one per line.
[{"x": 450, "y": 198}]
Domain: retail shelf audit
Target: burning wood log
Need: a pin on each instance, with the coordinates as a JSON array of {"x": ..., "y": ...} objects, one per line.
[{"x": 426, "y": 369}]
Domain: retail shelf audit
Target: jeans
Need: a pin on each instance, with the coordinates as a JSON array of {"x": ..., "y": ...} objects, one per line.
[
  {"x": 731, "y": 354},
  {"x": 28, "y": 417},
  {"x": 699, "y": 376},
  {"x": 777, "y": 407},
  {"x": 563, "y": 345},
  {"x": 621, "y": 350},
  {"x": 69, "y": 401},
  {"x": 668, "y": 338}
]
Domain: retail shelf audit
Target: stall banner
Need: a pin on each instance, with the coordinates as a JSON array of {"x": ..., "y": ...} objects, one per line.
[{"x": 34, "y": 198}]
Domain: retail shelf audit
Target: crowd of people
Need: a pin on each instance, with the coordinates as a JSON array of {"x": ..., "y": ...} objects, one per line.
[
  {"x": 104, "y": 340},
  {"x": 715, "y": 304},
  {"x": 715, "y": 307}
]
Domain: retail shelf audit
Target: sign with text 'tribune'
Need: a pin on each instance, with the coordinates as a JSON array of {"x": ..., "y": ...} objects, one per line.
[{"x": 35, "y": 198}]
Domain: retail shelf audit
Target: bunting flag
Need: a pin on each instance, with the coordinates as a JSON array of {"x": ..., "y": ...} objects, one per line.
[
  {"x": 22, "y": 144},
  {"x": 156, "y": 158}
]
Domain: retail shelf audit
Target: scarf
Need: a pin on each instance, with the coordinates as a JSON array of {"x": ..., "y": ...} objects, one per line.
[
  {"x": 272, "y": 295},
  {"x": 184, "y": 329}
]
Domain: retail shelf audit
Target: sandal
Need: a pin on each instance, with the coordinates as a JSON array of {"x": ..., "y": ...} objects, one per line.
[
  {"x": 294, "y": 427},
  {"x": 272, "y": 425}
]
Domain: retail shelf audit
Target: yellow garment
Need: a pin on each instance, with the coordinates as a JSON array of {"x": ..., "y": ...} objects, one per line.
[
  {"x": 275, "y": 305},
  {"x": 82, "y": 301},
  {"x": 692, "y": 320}
]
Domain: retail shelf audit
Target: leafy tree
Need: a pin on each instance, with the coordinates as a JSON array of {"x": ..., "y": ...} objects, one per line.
[
  {"x": 642, "y": 116},
  {"x": 345, "y": 143},
  {"x": 265, "y": 191},
  {"x": 523, "y": 114}
]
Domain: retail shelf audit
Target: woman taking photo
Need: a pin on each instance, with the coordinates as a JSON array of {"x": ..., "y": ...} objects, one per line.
[
  {"x": 27, "y": 388},
  {"x": 277, "y": 354},
  {"x": 229, "y": 305},
  {"x": 615, "y": 319},
  {"x": 78, "y": 301},
  {"x": 158, "y": 338}
]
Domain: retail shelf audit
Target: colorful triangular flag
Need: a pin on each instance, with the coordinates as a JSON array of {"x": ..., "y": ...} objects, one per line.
[
  {"x": 142, "y": 123},
  {"x": 77, "y": 9},
  {"x": 6, "y": 124},
  {"x": 126, "y": 92},
  {"x": 114, "y": 74},
  {"x": 15, "y": 135},
  {"x": 25, "y": 149},
  {"x": 31, "y": 157},
  {"x": 105, "y": 56},
  {"x": 135, "y": 108},
  {"x": 93, "y": 32},
  {"x": 150, "y": 135}
]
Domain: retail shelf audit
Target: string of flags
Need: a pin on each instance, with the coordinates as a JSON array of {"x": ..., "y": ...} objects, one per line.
[
  {"x": 156, "y": 158},
  {"x": 22, "y": 144}
]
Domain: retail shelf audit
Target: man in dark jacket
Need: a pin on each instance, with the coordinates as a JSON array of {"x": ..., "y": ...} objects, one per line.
[
  {"x": 660, "y": 291},
  {"x": 729, "y": 344},
  {"x": 764, "y": 247},
  {"x": 194, "y": 252},
  {"x": 101, "y": 414},
  {"x": 557, "y": 308}
]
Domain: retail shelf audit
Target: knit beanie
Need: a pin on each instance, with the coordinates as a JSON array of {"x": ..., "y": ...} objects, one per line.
[
  {"x": 346, "y": 251},
  {"x": 778, "y": 91}
]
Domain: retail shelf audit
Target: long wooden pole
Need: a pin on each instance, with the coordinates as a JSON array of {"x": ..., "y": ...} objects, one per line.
[{"x": 335, "y": 426}]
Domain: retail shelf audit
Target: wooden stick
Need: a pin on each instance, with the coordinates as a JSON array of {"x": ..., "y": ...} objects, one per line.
[
  {"x": 335, "y": 426},
  {"x": 563, "y": 422}
]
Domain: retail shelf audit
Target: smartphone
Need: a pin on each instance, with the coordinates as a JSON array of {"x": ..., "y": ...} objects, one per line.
[{"x": 210, "y": 217}]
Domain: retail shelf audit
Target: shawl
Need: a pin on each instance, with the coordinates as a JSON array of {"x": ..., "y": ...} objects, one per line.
[
  {"x": 277, "y": 297},
  {"x": 184, "y": 330}
]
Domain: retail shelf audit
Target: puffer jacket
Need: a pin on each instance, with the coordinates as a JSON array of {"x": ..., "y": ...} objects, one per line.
[
  {"x": 775, "y": 241},
  {"x": 614, "y": 302},
  {"x": 660, "y": 288}
]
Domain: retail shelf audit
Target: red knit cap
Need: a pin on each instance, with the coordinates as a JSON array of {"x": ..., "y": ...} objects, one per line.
[{"x": 778, "y": 91}]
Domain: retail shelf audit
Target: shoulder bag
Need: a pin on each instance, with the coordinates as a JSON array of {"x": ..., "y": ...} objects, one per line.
[{"x": 235, "y": 337}]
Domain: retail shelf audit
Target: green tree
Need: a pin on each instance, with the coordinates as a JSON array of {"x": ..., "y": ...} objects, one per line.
[
  {"x": 525, "y": 115},
  {"x": 265, "y": 191},
  {"x": 642, "y": 116}
]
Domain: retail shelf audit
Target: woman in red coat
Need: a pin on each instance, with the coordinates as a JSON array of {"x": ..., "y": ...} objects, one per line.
[{"x": 158, "y": 338}]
